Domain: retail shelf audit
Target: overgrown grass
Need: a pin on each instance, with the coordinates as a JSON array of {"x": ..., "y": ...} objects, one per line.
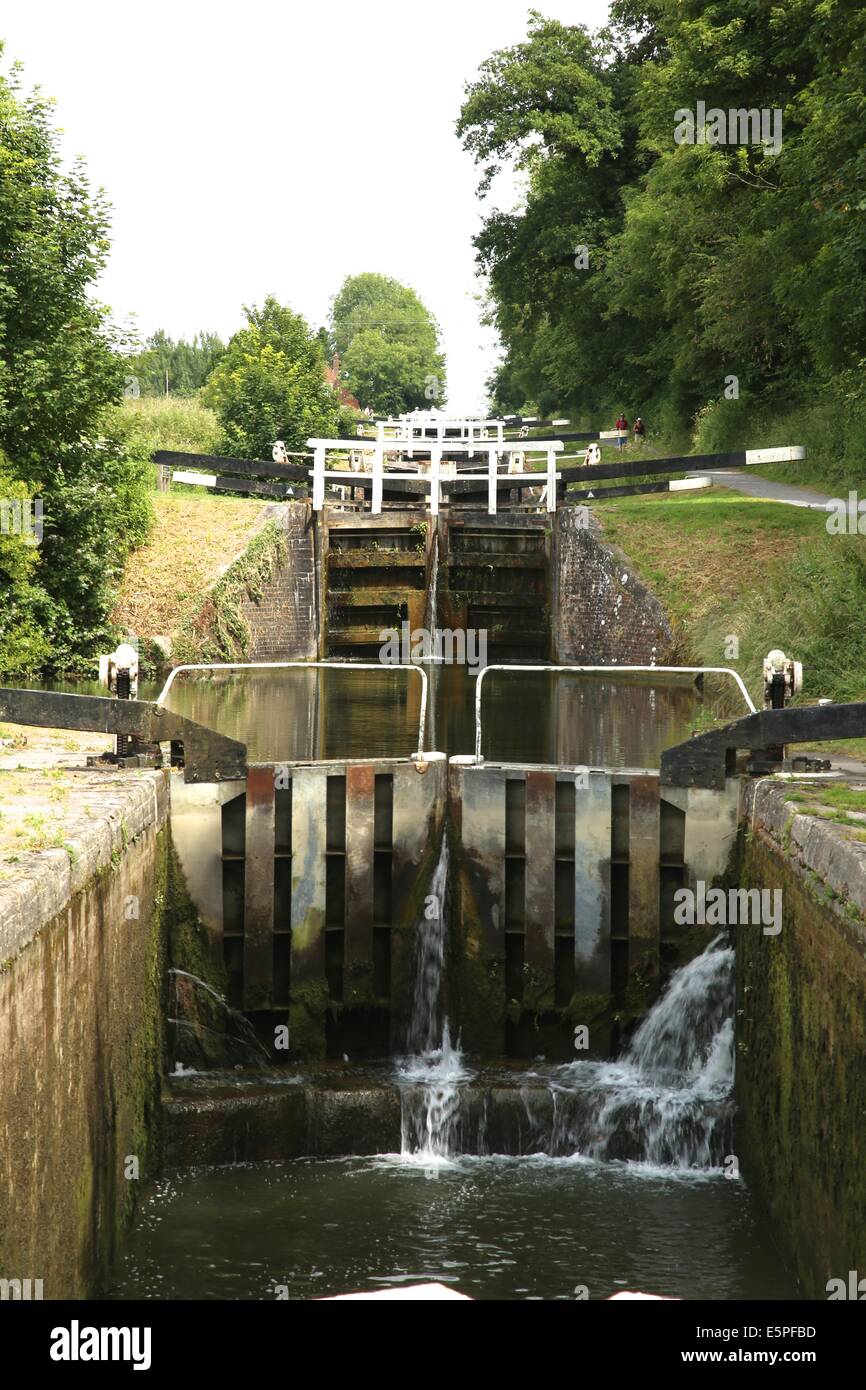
[
  {"x": 218, "y": 631},
  {"x": 835, "y": 797},
  {"x": 166, "y": 422},
  {"x": 180, "y": 423},
  {"x": 195, "y": 538},
  {"x": 842, "y": 805}
]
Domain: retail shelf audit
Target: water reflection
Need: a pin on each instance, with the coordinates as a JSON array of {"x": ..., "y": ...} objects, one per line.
[{"x": 536, "y": 717}]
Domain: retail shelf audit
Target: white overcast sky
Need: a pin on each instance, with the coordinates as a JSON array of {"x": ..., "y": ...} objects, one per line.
[{"x": 258, "y": 148}]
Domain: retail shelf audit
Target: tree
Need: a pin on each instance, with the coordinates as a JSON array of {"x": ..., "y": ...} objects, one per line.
[
  {"x": 60, "y": 366},
  {"x": 270, "y": 384},
  {"x": 557, "y": 107},
  {"x": 388, "y": 344},
  {"x": 23, "y": 642},
  {"x": 181, "y": 368},
  {"x": 704, "y": 259}
]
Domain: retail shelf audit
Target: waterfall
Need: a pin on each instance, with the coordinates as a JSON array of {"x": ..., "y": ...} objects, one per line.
[
  {"x": 669, "y": 1099},
  {"x": 431, "y": 1078},
  {"x": 425, "y": 1027},
  {"x": 208, "y": 1034},
  {"x": 432, "y": 593},
  {"x": 431, "y": 1102},
  {"x": 667, "y": 1102}
]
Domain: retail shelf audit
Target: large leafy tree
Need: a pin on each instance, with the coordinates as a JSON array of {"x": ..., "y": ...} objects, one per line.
[
  {"x": 556, "y": 107},
  {"x": 59, "y": 367},
  {"x": 388, "y": 343},
  {"x": 270, "y": 384},
  {"x": 704, "y": 260}
]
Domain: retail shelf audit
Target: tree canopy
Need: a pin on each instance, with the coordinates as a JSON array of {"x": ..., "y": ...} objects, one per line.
[
  {"x": 178, "y": 368},
  {"x": 270, "y": 384},
  {"x": 645, "y": 270},
  {"x": 60, "y": 365},
  {"x": 388, "y": 344}
]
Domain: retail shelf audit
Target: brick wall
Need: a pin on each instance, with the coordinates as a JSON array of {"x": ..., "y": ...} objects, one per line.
[
  {"x": 284, "y": 622},
  {"x": 601, "y": 612}
]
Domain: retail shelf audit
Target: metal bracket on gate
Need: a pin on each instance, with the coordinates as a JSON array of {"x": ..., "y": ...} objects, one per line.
[{"x": 207, "y": 755}]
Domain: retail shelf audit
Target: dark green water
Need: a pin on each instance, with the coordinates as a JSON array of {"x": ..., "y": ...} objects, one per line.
[
  {"x": 526, "y": 716},
  {"x": 507, "y": 1228}
]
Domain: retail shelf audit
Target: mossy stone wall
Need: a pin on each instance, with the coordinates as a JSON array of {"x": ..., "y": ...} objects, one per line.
[
  {"x": 801, "y": 1071},
  {"x": 82, "y": 1048}
]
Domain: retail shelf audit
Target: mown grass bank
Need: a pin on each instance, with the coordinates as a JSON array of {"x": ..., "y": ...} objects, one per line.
[
  {"x": 192, "y": 542},
  {"x": 729, "y": 566}
]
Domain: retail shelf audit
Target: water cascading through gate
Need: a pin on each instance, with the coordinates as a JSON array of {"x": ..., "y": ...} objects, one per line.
[
  {"x": 432, "y": 1077},
  {"x": 667, "y": 1102}
]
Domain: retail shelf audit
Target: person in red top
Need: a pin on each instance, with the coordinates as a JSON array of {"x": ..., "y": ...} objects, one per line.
[{"x": 621, "y": 424}]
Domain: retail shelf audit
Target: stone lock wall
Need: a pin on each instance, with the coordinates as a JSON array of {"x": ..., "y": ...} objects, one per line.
[
  {"x": 801, "y": 1040},
  {"x": 283, "y": 621},
  {"x": 81, "y": 1039},
  {"x": 602, "y": 612}
]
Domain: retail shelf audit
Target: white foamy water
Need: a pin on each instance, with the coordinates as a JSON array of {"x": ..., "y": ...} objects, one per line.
[
  {"x": 667, "y": 1103},
  {"x": 431, "y": 1102},
  {"x": 669, "y": 1100}
]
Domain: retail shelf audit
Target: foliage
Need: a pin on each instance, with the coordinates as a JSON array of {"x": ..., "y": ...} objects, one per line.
[
  {"x": 23, "y": 644},
  {"x": 164, "y": 422},
  {"x": 180, "y": 368},
  {"x": 270, "y": 384},
  {"x": 60, "y": 365},
  {"x": 704, "y": 260},
  {"x": 388, "y": 343}
]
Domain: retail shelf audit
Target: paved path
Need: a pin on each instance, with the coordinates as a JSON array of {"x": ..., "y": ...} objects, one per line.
[{"x": 756, "y": 486}]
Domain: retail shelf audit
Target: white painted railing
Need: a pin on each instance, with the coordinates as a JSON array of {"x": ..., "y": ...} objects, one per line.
[
  {"x": 607, "y": 671},
  {"x": 308, "y": 666},
  {"x": 549, "y": 448},
  {"x": 424, "y": 427}
]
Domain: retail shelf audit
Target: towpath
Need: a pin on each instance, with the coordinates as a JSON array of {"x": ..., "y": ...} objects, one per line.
[{"x": 789, "y": 493}]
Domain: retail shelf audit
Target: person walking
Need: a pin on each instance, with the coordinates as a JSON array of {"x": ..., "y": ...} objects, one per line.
[
  {"x": 622, "y": 426},
  {"x": 639, "y": 429}
]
